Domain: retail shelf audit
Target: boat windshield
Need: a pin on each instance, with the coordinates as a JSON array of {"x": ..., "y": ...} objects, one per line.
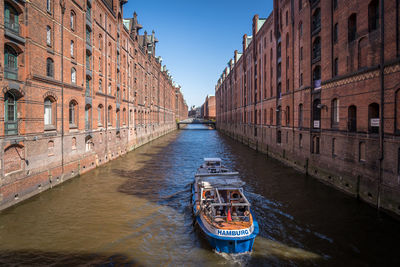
[{"x": 227, "y": 204}]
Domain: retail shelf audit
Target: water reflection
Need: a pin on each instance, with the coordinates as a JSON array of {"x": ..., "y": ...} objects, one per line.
[{"x": 135, "y": 211}]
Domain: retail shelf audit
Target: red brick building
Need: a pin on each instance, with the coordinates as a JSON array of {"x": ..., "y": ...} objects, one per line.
[
  {"x": 208, "y": 108},
  {"x": 81, "y": 86},
  {"x": 317, "y": 86}
]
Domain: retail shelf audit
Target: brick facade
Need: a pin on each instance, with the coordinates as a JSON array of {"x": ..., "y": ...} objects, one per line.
[
  {"x": 208, "y": 109},
  {"x": 317, "y": 85},
  {"x": 81, "y": 86}
]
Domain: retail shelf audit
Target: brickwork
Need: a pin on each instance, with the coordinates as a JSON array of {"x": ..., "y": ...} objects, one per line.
[
  {"x": 317, "y": 87},
  {"x": 81, "y": 86},
  {"x": 208, "y": 109}
]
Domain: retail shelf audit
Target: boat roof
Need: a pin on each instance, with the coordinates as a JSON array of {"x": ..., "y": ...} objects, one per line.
[
  {"x": 231, "y": 181},
  {"x": 212, "y": 159}
]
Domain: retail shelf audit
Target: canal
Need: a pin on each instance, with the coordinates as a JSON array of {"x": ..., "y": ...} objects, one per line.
[{"x": 135, "y": 211}]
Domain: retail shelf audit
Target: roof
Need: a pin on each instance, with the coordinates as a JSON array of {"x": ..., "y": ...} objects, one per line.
[
  {"x": 212, "y": 159},
  {"x": 221, "y": 182}
]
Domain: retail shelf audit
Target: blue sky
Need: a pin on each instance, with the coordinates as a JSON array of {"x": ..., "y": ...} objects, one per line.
[{"x": 197, "y": 38}]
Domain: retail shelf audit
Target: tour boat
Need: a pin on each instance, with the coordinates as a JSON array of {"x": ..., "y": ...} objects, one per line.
[{"x": 221, "y": 209}]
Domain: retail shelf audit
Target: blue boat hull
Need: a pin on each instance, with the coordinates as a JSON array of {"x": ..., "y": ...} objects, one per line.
[{"x": 228, "y": 244}]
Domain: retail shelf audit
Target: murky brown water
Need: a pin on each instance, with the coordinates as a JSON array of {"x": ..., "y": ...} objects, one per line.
[{"x": 135, "y": 211}]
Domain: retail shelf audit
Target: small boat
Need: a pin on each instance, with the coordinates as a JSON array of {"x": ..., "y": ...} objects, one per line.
[{"x": 221, "y": 209}]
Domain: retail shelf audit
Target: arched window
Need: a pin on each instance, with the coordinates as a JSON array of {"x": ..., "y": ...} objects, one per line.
[
  {"x": 73, "y": 114},
  {"x": 373, "y": 15},
  {"x": 334, "y": 113},
  {"x": 352, "y": 119},
  {"x": 88, "y": 116},
  {"x": 11, "y": 18},
  {"x": 49, "y": 113},
  {"x": 316, "y": 20},
  {"x": 373, "y": 118},
  {"x": 48, "y": 35},
  {"x": 100, "y": 115},
  {"x": 316, "y": 49},
  {"x": 89, "y": 143},
  {"x": 10, "y": 63},
  {"x": 317, "y": 114},
  {"x": 352, "y": 27},
  {"x": 300, "y": 115},
  {"x": 50, "y": 68},
  {"x": 10, "y": 116},
  {"x": 72, "y": 49},
  {"x": 72, "y": 20},
  {"x": 109, "y": 115},
  {"x": 73, "y": 75},
  {"x": 73, "y": 143}
]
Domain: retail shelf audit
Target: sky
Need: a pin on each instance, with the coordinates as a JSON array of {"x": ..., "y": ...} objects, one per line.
[{"x": 197, "y": 38}]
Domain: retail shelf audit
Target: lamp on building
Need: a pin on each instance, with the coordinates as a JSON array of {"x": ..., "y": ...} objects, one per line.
[{"x": 321, "y": 106}]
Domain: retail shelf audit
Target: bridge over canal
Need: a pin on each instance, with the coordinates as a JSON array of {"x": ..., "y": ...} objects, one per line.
[{"x": 196, "y": 121}]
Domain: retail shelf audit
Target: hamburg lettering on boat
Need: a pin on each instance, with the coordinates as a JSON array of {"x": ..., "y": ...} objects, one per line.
[{"x": 233, "y": 232}]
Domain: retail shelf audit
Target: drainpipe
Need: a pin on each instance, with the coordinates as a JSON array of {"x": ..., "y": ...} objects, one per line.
[
  {"x": 62, "y": 5},
  {"x": 381, "y": 119}
]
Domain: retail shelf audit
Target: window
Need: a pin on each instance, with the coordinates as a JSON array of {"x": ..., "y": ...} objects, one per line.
[
  {"x": 109, "y": 88},
  {"x": 271, "y": 116},
  {"x": 72, "y": 48},
  {"x": 335, "y": 67},
  {"x": 73, "y": 143},
  {"x": 88, "y": 36},
  {"x": 300, "y": 115},
  {"x": 50, "y": 68},
  {"x": 335, "y": 113},
  {"x": 335, "y": 33},
  {"x": 100, "y": 85},
  {"x": 278, "y": 116},
  {"x": 287, "y": 115},
  {"x": 287, "y": 18},
  {"x": 352, "y": 119},
  {"x": 109, "y": 115},
  {"x": 300, "y": 4},
  {"x": 48, "y": 35},
  {"x": 316, "y": 20},
  {"x": 72, "y": 20},
  {"x": 100, "y": 42},
  {"x": 11, "y": 18},
  {"x": 88, "y": 86},
  {"x": 317, "y": 77},
  {"x": 73, "y": 114},
  {"x": 49, "y": 112},
  {"x": 73, "y": 75},
  {"x": 48, "y": 5},
  {"x": 10, "y": 63},
  {"x": 301, "y": 79},
  {"x": 373, "y": 15},
  {"x": 278, "y": 136},
  {"x": 10, "y": 116},
  {"x": 316, "y": 114},
  {"x": 124, "y": 116},
  {"x": 88, "y": 117},
  {"x": 317, "y": 49},
  {"x": 335, "y": 4},
  {"x": 352, "y": 27},
  {"x": 100, "y": 115},
  {"x": 373, "y": 118}
]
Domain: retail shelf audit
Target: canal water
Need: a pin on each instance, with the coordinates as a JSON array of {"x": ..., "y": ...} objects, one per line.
[{"x": 135, "y": 211}]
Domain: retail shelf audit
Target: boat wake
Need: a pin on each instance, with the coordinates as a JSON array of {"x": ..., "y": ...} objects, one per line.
[{"x": 240, "y": 259}]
